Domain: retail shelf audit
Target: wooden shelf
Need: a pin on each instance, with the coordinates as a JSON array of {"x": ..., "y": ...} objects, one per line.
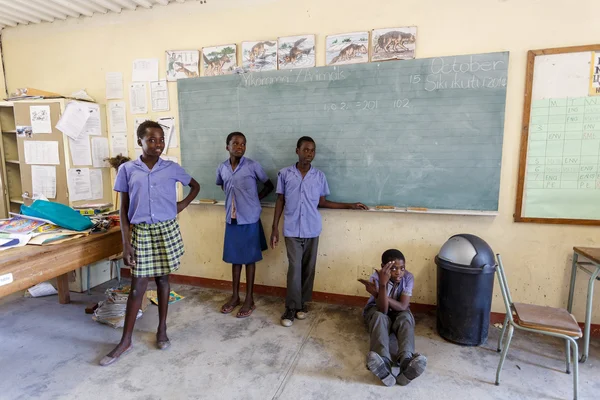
[
  {"x": 13, "y": 162},
  {"x": 13, "y": 132},
  {"x": 17, "y": 200}
]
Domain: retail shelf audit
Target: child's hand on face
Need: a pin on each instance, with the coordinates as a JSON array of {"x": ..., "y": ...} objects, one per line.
[{"x": 385, "y": 273}]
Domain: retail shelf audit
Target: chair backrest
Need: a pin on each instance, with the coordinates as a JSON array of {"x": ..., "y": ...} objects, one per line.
[{"x": 504, "y": 288}]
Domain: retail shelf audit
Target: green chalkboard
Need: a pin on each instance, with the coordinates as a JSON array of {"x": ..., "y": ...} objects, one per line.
[{"x": 417, "y": 133}]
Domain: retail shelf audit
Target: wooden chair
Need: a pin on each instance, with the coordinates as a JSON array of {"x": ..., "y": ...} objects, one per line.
[{"x": 549, "y": 321}]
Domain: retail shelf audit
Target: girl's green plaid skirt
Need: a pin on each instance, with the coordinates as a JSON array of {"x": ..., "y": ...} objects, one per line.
[{"x": 157, "y": 248}]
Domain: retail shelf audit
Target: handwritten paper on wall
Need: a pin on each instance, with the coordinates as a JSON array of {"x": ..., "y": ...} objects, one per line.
[
  {"x": 118, "y": 121},
  {"x": 40, "y": 119},
  {"x": 114, "y": 85},
  {"x": 41, "y": 152},
  {"x": 79, "y": 184},
  {"x": 74, "y": 119},
  {"x": 138, "y": 98},
  {"x": 159, "y": 95},
  {"x": 93, "y": 126},
  {"x": 80, "y": 150},
  {"x": 100, "y": 152},
  {"x": 145, "y": 69},
  {"x": 43, "y": 179},
  {"x": 97, "y": 187}
]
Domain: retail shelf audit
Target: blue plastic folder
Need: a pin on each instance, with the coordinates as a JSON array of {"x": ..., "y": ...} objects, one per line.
[{"x": 60, "y": 214}]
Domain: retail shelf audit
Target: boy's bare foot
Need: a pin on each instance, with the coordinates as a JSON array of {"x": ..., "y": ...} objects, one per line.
[
  {"x": 246, "y": 309},
  {"x": 230, "y": 305}
]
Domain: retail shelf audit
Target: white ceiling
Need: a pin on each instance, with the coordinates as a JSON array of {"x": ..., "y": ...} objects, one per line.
[{"x": 24, "y": 12}]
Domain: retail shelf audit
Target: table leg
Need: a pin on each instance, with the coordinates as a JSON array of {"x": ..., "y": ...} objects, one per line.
[
  {"x": 572, "y": 287},
  {"x": 64, "y": 296},
  {"x": 588, "y": 315}
]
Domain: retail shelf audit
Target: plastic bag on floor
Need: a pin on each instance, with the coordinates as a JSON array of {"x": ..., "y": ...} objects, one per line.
[{"x": 112, "y": 310}]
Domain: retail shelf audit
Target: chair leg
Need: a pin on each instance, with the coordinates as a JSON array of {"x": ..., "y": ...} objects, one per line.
[
  {"x": 568, "y": 351},
  {"x": 575, "y": 369},
  {"x": 499, "y": 349},
  {"x": 504, "y": 353}
]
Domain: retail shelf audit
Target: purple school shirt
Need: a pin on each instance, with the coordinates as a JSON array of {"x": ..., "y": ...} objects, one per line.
[
  {"x": 152, "y": 193},
  {"x": 394, "y": 291},
  {"x": 301, "y": 215},
  {"x": 241, "y": 184}
]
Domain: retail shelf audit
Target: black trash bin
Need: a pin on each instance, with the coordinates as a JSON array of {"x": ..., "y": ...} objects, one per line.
[{"x": 465, "y": 283}]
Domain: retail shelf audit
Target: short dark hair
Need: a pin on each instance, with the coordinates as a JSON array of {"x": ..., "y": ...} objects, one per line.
[
  {"x": 141, "y": 130},
  {"x": 231, "y": 135},
  {"x": 304, "y": 139},
  {"x": 391, "y": 255}
]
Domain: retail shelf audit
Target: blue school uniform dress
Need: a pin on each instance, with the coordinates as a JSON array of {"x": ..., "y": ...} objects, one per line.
[
  {"x": 155, "y": 235},
  {"x": 244, "y": 236}
]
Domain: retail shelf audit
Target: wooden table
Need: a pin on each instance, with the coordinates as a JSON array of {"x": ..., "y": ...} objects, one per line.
[
  {"x": 591, "y": 266},
  {"x": 29, "y": 265}
]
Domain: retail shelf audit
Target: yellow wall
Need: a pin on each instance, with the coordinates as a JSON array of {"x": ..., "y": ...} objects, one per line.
[
  {"x": 2, "y": 83},
  {"x": 66, "y": 56}
]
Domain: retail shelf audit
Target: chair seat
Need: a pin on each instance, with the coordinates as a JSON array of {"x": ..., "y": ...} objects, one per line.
[{"x": 549, "y": 319}]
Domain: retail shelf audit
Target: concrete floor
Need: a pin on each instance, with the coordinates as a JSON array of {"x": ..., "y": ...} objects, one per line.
[{"x": 51, "y": 351}]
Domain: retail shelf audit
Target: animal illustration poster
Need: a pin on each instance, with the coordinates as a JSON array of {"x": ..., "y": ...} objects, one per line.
[
  {"x": 296, "y": 52},
  {"x": 259, "y": 56},
  {"x": 595, "y": 74},
  {"x": 219, "y": 60},
  {"x": 394, "y": 43},
  {"x": 347, "y": 48},
  {"x": 182, "y": 64}
]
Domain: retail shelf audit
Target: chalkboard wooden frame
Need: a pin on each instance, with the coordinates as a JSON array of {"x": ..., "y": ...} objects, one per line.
[{"x": 531, "y": 55}]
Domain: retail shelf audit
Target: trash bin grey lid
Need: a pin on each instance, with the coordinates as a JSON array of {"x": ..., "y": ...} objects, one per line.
[{"x": 458, "y": 250}]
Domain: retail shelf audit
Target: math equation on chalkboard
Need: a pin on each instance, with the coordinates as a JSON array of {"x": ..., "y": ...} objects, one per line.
[{"x": 366, "y": 105}]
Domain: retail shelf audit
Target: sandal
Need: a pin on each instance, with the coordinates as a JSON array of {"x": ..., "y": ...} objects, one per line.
[
  {"x": 246, "y": 314},
  {"x": 107, "y": 360},
  {"x": 228, "y": 308},
  {"x": 162, "y": 344}
]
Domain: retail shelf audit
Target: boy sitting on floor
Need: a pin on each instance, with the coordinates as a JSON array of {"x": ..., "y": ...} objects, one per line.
[{"x": 388, "y": 311}]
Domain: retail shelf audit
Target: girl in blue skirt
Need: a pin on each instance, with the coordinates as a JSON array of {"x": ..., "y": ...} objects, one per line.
[{"x": 244, "y": 236}]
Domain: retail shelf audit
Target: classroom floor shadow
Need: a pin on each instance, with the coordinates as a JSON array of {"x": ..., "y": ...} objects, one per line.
[{"x": 51, "y": 351}]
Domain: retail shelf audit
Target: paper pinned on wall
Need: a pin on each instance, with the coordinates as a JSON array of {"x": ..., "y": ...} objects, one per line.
[
  {"x": 144, "y": 70},
  {"x": 159, "y": 95},
  {"x": 119, "y": 144},
  {"x": 114, "y": 85},
  {"x": 79, "y": 184},
  {"x": 40, "y": 119},
  {"x": 73, "y": 120},
  {"x": 93, "y": 126},
  {"x": 168, "y": 124},
  {"x": 118, "y": 120},
  {"x": 136, "y": 124},
  {"x": 138, "y": 98},
  {"x": 41, "y": 152},
  {"x": 43, "y": 179},
  {"x": 100, "y": 152},
  {"x": 81, "y": 153},
  {"x": 97, "y": 187}
]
